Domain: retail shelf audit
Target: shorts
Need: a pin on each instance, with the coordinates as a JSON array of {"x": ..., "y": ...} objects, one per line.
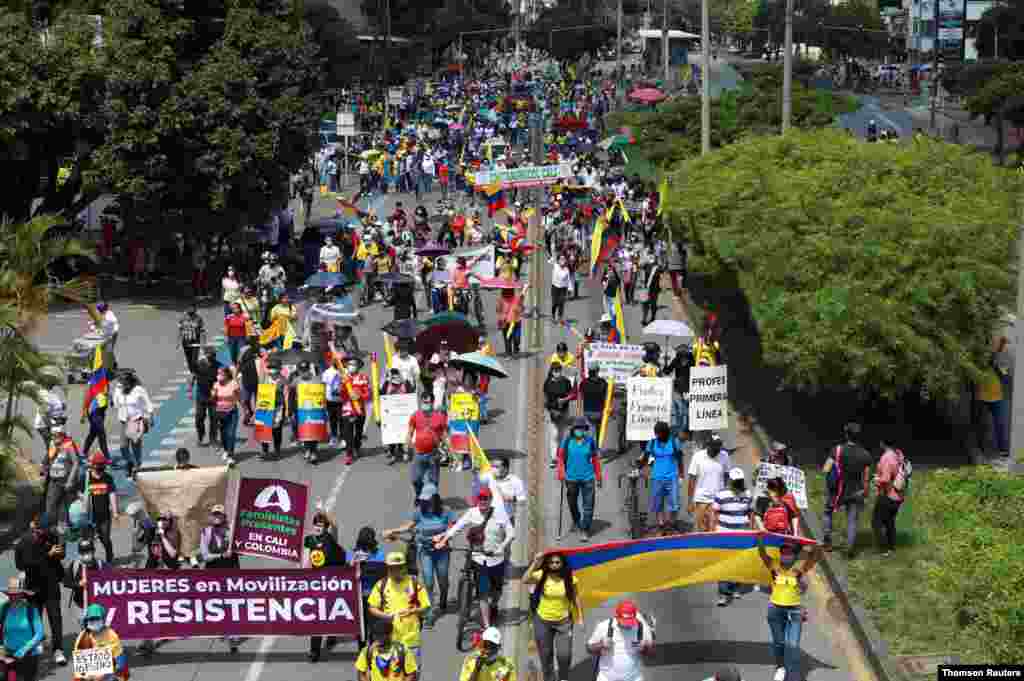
[
  {"x": 491, "y": 580},
  {"x": 664, "y": 496}
]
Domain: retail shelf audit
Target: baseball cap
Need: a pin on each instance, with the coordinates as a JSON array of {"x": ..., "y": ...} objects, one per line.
[
  {"x": 484, "y": 493},
  {"x": 625, "y": 613},
  {"x": 492, "y": 635},
  {"x": 736, "y": 473},
  {"x": 395, "y": 558},
  {"x": 428, "y": 492},
  {"x": 779, "y": 446}
]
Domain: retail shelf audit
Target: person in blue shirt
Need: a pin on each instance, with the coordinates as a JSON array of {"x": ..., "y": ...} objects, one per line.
[
  {"x": 665, "y": 456},
  {"x": 22, "y": 631},
  {"x": 430, "y": 520},
  {"x": 370, "y": 556},
  {"x": 579, "y": 467}
]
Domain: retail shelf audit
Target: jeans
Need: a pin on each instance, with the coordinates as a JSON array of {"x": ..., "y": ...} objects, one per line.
[
  {"x": 50, "y": 606},
  {"x": 228, "y": 423},
  {"x": 680, "y": 414},
  {"x": 434, "y": 565},
  {"x": 883, "y": 522},
  {"x": 58, "y": 496},
  {"x": 425, "y": 468},
  {"x": 664, "y": 495},
  {"x": 554, "y": 639},
  {"x": 205, "y": 410},
  {"x": 853, "y": 510},
  {"x": 579, "y": 492},
  {"x": 234, "y": 347},
  {"x": 131, "y": 450},
  {"x": 785, "y": 624},
  {"x": 1000, "y": 423},
  {"x": 97, "y": 431},
  {"x": 101, "y": 531},
  {"x": 352, "y": 433}
]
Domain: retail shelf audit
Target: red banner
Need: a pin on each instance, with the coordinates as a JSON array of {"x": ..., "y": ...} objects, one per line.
[
  {"x": 270, "y": 519},
  {"x": 157, "y": 604}
]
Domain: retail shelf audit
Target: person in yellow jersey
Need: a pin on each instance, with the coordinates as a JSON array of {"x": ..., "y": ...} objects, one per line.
[
  {"x": 400, "y": 599},
  {"x": 386, "y": 659},
  {"x": 487, "y": 663},
  {"x": 785, "y": 613},
  {"x": 563, "y": 357}
]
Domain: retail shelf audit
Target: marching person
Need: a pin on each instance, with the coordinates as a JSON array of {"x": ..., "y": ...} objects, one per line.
[
  {"x": 38, "y": 555},
  {"x": 215, "y": 550},
  {"x": 557, "y": 391},
  {"x": 579, "y": 467},
  {"x": 386, "y": 659},
  {"x": 316, "y": 413},
  {"x": 60, "y": 471},
  {"x": 707, "y": 475},
  {"x": 487, "y": 663},
  {"x": 204, "y": 377},
  {"x": 101, "y": 497},
  {"x": 226, "y": 397},
  {"x": 785, "y": 612},
  {"x": 321, "y": 550},
  {"x": 554, "y": 602},
  {"x": 355, "y": 395},
  {"x": 401, "y": 600},
  {"x": 75, "y": 575},
  {"x": 732, "y": 511},
  {"x": 21, "y": 627},
  {"x": 109, "y": 328},
  {"x": 192, "y": 334},
  {"x": 281, "y": 414},
  {"x": 51, "y": 409},
  {"x": 96, "y": 634},
  {"x": 621, "y": 642},
  {"x": 428, "y": 429}
]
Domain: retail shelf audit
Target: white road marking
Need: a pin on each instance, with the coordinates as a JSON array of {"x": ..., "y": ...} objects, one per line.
[
  {"x": 179, "y": 381},
  {"x": 162, "y": 453},
  {"x": 182, "y": 430},
  {"x": 171, "y": 441},
  {"x": 267, "y": 643}
]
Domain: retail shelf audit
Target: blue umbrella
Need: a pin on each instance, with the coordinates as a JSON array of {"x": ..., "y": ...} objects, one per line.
[
  {"x": 479, "y": 363},
  {"x": 326, "y": 280}
]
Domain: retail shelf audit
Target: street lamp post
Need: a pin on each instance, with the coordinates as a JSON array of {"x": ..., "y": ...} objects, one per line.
[
  {"x": 664, "y": 42},
  {"x": 618, "y": 46},
  {"x": 787, "y": 72},
  {"x": 705, "y": 94}
]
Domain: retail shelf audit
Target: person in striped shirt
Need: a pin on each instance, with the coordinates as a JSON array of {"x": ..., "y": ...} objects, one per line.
[{"x": 732, "y": 509}]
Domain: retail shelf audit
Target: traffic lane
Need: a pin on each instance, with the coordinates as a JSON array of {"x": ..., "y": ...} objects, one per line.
[{"x": 692, "y": 630}]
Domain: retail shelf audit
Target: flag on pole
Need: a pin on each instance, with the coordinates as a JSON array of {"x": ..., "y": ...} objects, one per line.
[
  {"x": 99, "y": 381},
  {"x": 478, "y": 456},
  {"x": 606, "y": 413},
  {"x": 619, "y": 318},
  {"x": 375, "y": 379},
  {"x": 389, "y": 350}
]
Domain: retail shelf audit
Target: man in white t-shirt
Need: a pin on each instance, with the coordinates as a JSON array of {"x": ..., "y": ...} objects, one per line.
[
  {"x": 513, "y": 491},
  {"x": 707, "y": 477},
  {"x": 620, "y": 642},
  {"x": 408, "y": 365}
]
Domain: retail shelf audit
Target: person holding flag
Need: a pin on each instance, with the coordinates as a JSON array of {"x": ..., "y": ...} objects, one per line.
[
  {"x": 354, "y": 394},
  {"x": 510, "y": 314},
  {"x": 95, "y": 403}
]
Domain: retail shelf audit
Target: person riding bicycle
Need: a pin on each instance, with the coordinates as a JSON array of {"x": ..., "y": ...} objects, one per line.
[
  {"x": 489, "y": 534},
  {"x": 96, "y": 634},
  {"x": 487, "y": 663}
]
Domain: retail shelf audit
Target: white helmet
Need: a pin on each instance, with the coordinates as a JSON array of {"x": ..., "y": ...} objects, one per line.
[{"x": 492, "y": 635}]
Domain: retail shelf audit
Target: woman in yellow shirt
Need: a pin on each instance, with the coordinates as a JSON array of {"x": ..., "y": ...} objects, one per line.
[
  {"x": 785, "y": 614},
  {"x": 556, "y": 606}
]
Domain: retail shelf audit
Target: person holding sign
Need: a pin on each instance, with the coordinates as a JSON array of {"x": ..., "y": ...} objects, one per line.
[
  {"x": 427, "y": 430},
  {"x": 98, "y": 653},
  {"x": 271, "y": 410},
  {"x": 311, "y": 410},
  {"x": 355, "y": 393},
  {"x": 322, "y": 551}
]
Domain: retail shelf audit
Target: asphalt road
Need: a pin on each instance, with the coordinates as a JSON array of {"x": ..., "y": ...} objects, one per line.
[{"x": 694, "y": 635}]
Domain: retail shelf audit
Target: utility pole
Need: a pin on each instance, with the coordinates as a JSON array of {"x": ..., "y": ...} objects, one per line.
[
  {"x": 705, "y": 80},
  {"x": 536, "y": 236},
  {"x": 664, "y": 43},
  {"x": 934, "y": 77},
  {"x": 519, "y": 20},
  {"x": 787, "y": 71},
  {"x": 618, "y": 48}
]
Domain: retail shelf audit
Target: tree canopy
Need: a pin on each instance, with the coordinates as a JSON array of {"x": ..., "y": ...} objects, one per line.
[
  {"x": 852, "y": 255},
  {"x": 672, "y": 133},
  {"x": 1002, "y": 25},
  {"x": 551, "y": 32}
]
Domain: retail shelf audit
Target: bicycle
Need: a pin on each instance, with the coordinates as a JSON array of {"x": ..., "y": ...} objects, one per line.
[
  {"x": 466, "y": 593},
  {"x": 631, "y": 502}
]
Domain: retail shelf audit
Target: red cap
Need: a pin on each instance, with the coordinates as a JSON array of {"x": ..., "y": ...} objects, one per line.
[
  {"x": 97, "y": 459},
  {"x": 625, "y": 613},
  {"x": 484, "y": 493}
]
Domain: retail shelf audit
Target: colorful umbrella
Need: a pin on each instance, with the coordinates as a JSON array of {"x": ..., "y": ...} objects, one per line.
[
  {"x": 479, "y": 363},
  {"x": 462, "y": 335}
]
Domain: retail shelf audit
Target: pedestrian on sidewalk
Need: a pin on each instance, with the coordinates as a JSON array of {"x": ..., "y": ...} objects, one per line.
[
  {"x": 579, "y": 467},
  {"x": 665, "y": 457},
  {"x": 135, "y": 412},
  {"x": 555, "y": 605},
  {"x": 785, "y": 612},
  {"x": 557, "y": 390},
  {"x": 848, "y": 481},
  {"x": 708, "y": 475},
  {"x": 733, "y": 511},
  {"x": 890, "y": 482}
]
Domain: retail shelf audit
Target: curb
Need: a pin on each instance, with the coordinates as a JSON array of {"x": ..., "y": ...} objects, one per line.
[{"x": 872, "y": 646}]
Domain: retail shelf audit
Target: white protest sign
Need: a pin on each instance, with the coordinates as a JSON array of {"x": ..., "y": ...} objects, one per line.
[
  {"x": 484, "y": 265},
  {"x": 648, "y": 400},
  {"x": 791, "y": 475},
  {"x": 396, "y": 410},
  {"x": 93, "y": 663},
  {"x": 709, "y": 398},
  {"x": 618, "y": 362}
]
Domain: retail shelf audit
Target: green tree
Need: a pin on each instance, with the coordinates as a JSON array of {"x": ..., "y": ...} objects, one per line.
[
  {"x": 568, "y": 45},
  {"x": 868, "y": 266},
  {"x": 1002, "y": 26},
  {"x": 999, "y": 99}
]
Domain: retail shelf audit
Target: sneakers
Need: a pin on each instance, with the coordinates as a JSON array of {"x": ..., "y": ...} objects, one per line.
[
  {"x": 780, "y": 674},
  {"x": 58, "y": 657}
]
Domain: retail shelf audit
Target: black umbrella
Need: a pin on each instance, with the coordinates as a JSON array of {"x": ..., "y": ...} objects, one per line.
[
  {"x": 294, "y": 356},
  {"x": 395, "y": 278},
  {"x": 403, "y": 328}
]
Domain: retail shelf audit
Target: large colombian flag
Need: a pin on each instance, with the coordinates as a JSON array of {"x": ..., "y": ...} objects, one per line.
[
  {"x": 495, "y": 198},
  {"x": 647, "y": 565},
  {"x": 99, "y": 381}
]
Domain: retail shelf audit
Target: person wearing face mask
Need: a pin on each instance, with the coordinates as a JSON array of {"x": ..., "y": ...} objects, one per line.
[
  {"x": 427, "y": 430},
  {"x": 511, "y": 486},
  {"x": 22, "y": 631},
  {"x": 75, "y": 575},
  {"x": 226, "y": 395},
  {"x": 204, "y": 377},
  {"x": 96, "y": 634},
  {"x": 707, "y": 476},
  {"x": 386, "y": 659},
  {"x": 309, "y": 396},
  {"x": 355, "y": 395},
  {"x": 135, "y": 412},
  {"x": 785, "y": 613},
  {"x": 330, "y": 256},
  {"x": 487, "y": 663},
  {"x": 215, "y": 550},
  {"x": 61, "y": 473},
  {"x": 39, "y": 555},
  {"x": 401, "y": 599},
  {"x": 321, "y": 551},
  {"x": 666, "y": 458},
  {"x": 163, "y": 548},
  {"x": 557, "y": 394},
  {"x": 621, "y": 642},
  {"x": 408, "y": 365},
  {"x": 272, "y": 410},
  {"x": 579, "y": 467}
]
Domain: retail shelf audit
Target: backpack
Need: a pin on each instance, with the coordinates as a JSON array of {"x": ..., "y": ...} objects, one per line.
[
  {"x": 381, "y": 583},
  {"x": 778, "y": 519},
  {"x": 901, "y": 482},
  {"x": 3, "y": 620}
]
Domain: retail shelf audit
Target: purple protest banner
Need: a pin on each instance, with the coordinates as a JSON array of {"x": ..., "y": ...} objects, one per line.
[
  {"x": 270, "y": 518},
  {"x": 157, "y": 604}
]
